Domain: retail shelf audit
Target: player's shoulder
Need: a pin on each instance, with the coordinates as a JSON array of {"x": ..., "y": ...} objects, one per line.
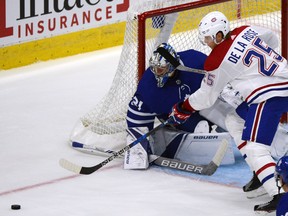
[
  {"x": 284, "y": 198},
  {"x": 193, "y": 58},
  {"x": 191, "y": 53},
  {"x": 147, "y": 80},
  {"x": 217, "y": 55},
  {"x": 282, "y": 208}
]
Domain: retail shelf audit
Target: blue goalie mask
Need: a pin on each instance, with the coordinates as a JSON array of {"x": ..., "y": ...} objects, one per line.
[
  {"x": 161, "y": 68},
  {"x": 281, "y": 170}
]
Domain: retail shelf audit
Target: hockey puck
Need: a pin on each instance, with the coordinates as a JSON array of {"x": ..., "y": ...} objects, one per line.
[{"x": 15, "y": 207}]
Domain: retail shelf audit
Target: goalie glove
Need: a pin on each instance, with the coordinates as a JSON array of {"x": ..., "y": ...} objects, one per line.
[
  {"x": 180, "y": 113},
  {"x": 137, "y": 156}
]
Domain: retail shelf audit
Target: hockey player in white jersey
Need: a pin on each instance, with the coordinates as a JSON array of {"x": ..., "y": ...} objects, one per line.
[
  {"x": 235, "y": 124},
  {"x": 245, "y": 57}
]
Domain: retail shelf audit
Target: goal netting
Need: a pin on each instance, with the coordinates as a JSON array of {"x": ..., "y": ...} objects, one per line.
[{"x": 148, "y": 24}]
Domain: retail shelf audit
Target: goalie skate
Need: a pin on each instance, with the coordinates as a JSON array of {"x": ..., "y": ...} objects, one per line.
[{"x": 254, "y": 188}]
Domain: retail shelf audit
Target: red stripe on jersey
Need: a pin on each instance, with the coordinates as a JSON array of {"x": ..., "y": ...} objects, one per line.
[
  {"x": 257, "y": 121},
  {"x": 265, "y": 167},
  {"x": 256, "y": 91},
  {"x": 219, "y": 52},
  {"x": 242, "y": 145}
]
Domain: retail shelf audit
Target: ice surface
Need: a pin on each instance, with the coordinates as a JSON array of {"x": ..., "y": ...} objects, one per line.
[{"x": 40, "y": 105}]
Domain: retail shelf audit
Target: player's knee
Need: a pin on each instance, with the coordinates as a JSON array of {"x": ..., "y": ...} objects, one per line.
[{"x": 255, "y": 150}]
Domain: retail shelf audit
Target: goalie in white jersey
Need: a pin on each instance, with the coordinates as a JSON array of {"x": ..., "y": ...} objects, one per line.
[{"x": 245, "y": 58}]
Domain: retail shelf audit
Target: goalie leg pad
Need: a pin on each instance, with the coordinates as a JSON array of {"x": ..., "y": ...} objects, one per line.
[
  {"x": 137, "y": 156},
  {"x": 190, "y": 147}
]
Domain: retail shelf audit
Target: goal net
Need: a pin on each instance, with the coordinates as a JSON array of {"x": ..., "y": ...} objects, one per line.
[{"x": 150, "y": 23}]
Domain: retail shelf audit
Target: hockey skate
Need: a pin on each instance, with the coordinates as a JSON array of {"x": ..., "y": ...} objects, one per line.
[
  {"x": 268, "y": 207},
  {"x": 254, "y": 188}
]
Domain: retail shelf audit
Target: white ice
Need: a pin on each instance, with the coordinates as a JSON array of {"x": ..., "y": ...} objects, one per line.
[{"x": 39, "y": 106}]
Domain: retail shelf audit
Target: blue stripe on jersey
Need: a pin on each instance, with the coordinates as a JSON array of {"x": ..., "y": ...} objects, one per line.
[
  {"x": 140, "y": 113},
  {"x": 139, "y": 119},
  {"x": 269, "y": 90},
  {"x": 266, "y": 89},
  {"x": 139, "y": 122},
  {"x": 267, "y": 178}
]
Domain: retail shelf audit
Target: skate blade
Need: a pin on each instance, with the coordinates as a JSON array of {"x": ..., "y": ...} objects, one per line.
[
  {"x": 264, "y": 213},
  {"x": 256, "y": 193}
]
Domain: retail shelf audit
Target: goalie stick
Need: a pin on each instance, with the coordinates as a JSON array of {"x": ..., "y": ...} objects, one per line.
[
  {"x": 88, "y": 170},
  {"x": 188, "y": 167},
  {"x": 171, "y": 163},
  {"x": 176, "y": 63}
]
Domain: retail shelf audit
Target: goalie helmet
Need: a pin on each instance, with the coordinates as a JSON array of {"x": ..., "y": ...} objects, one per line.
[
  {"x": 211, "y": 24},
  {"x": 281, "y": 169},
  {"x": 161, "y": 68}
]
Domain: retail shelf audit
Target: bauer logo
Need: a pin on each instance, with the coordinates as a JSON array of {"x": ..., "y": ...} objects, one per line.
[
  {"x": 206, "y": 137},
  {"x": 25, "y": 20},
  {"x": 181, "y": 166},
  {"x": 128, "y": 157}
]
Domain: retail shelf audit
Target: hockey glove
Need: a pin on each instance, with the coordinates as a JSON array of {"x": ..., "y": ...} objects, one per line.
[{"x": 180, "y": 113}]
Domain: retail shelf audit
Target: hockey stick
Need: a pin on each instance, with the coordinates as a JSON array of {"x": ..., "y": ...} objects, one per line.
[
  {"x": 88, "y": 170},
  {"x": 172, "y": 163},
  {"x": 92, "y": 149},
  {"x": 176, "y": 63},
  {"x": 198, "y": 169}
]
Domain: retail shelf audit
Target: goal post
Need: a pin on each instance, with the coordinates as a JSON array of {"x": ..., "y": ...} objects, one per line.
[
  {"x": 150, "y": 23},
  {"x": 284, "y": 28},
  {"x": 284, "y": 39}
]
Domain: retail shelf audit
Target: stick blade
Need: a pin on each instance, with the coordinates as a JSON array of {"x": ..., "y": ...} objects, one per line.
[
  {"x": 78, "y": 169},
  {"x": 90, "y": 170},
  {"x": 217, "y": 159},
  {"x": 211, "y": 168},
  {"x": 70, "y": 166}
]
